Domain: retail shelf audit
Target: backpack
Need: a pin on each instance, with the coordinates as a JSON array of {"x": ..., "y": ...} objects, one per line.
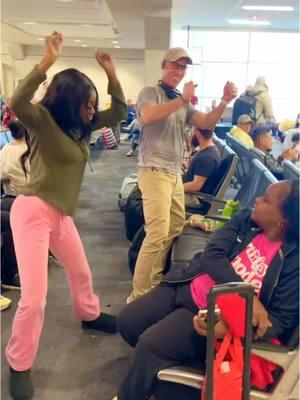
[
  {"x": 135, "y": 247},
  {"x": 128, "y": 184},
  {"x": 245, "y": 104},
  {"x": 133, "y": 213}
]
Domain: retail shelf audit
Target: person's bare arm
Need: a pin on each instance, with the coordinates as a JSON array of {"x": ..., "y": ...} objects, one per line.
[
  {"x": 209, "y": 120},
  {"x": 106, "y": 62},
  {"x": 195, "y": 185},
  {"x": 53, "y": 49},
  {"x": 151, "y": 113}
]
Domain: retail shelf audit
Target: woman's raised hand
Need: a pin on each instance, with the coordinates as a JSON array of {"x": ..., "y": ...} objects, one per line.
[
  {"x": 54, "y": 45},
  {"x": 105, "y": 61}
]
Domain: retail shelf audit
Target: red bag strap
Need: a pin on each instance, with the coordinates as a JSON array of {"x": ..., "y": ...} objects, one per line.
[
  {"x": 223, "y": 350},
  {"x": 236, "y": 352}
]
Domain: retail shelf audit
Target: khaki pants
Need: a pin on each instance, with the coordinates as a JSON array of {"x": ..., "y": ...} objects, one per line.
[{"x": 163, "y": 203}]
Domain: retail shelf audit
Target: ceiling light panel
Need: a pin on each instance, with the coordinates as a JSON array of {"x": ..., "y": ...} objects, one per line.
[
  {"x": 255, "y": 22},
  {"x": 267, "y": 8}
]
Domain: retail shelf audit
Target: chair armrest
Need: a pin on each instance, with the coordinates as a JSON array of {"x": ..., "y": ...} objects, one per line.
[
  {"x": 267, "y": 346},
  {"x": 202, "y": 196},
  {"x": 185, "y": 374},
  {"x": 207, "y": 197},
  {"x": 216, "y": 217}
]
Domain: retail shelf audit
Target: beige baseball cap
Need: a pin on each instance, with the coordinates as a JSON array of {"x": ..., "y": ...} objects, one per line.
[
  {"x": 244, "y": 119},
  {"x": 176, "y": 53}
]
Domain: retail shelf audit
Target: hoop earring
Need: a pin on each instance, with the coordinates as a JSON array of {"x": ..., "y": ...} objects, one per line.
[{"x": 279, "y": 225}]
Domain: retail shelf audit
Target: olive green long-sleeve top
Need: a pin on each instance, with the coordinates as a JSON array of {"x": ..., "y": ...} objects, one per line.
[{"x": 57, "y": 162}]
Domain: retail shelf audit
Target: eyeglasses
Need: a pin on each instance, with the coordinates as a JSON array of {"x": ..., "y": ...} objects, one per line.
[{"x": 176, "y": 66}]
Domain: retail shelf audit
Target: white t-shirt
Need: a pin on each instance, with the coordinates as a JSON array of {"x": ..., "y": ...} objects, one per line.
[{"x": 12, "y": 174}]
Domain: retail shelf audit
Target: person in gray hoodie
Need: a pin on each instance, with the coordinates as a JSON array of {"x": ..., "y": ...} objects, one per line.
[{"x": 264, "y": 110}]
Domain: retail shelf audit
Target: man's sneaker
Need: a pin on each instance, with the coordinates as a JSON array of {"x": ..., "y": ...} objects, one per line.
[
  {"x": 4, "y": 302},
  {"x": 11, "y": 283},
  {"x": 20, "y": 384},
  {"x": 105, "y": 323},
  {"x": 130, "y": 153}
]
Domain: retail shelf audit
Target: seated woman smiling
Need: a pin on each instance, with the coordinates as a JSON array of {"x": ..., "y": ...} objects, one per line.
[{"x": 260, "y": 246}]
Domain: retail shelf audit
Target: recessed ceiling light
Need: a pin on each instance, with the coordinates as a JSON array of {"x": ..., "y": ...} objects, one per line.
[
  {"x": 29, "y": 23},
  {"x": 84, "y": 45},
  {"x": 268, "y": 8},
  {"x": 248, "y": 22},
  {"x": 77, "y": 40},
  {"x": 115, "y": 41},
  {"x": 117, "y": 47},
  {"x": 40, "y": 38}
]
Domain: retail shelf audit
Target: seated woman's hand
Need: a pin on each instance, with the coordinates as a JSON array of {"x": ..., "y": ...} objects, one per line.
[
  {"x": 260, "y": 318},
  {"x": 201, "y": 327},
  {"x": 290, "y": 154}
]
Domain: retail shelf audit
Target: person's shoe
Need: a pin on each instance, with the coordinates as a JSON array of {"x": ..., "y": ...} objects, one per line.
[
  {"x": 11, "y": 283},
  {"x": 130, "y": 153},
  {"x": 5, "y": 302},
  {"x": 20, "y": 384},
  {"x": 105, "y": 323}
]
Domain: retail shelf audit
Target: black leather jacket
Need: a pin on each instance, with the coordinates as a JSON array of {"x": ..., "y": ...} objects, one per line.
[{"x": 280, "y": 288}]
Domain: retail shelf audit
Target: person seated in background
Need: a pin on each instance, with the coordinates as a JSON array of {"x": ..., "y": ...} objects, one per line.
[
  {"x": 262, "y": 138},
  {"x": 293, "y": 150},
  {"x": 131, "y": 111},
  {"x": 259, "y": 246},
  {"x": 201, "y": 174},
  {"x": 242, "y": 130},
  {"x": 9, "y": 267},
  {"x": 295, "y": 129},
  {"x": 134, "y": 138},
  {"x": 283, "y": 126},
  {"x": 7, "y": 114},
  {"x": 13, "y": 176}
]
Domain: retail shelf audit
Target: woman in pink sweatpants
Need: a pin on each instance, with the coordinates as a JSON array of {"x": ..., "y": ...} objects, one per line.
[
  {"x": 42, "y": 215},
  {"x": 37, "y": 227}
]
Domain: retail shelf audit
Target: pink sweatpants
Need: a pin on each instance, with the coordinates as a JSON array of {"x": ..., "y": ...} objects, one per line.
[{"x": 37, "y": 227}]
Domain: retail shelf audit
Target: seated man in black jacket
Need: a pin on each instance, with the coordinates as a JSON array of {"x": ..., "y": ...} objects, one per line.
[
  {"x": 202, "y": 172},
  {"x": 259, "y": 246}
]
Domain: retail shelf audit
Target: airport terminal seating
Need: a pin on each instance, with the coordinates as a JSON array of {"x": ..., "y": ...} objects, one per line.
[
  {"x": 242, "y": 151},
  {"x": 290, "y": 170},
  {"x": 225, "y": 173},
  {"x": 193, "y": 240},
  {"x": 258, "y": 154},
  {"x": 220, "y": 143}
]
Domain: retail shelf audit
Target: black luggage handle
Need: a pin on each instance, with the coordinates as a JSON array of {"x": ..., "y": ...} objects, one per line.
[{"x": 245, "y": 290}]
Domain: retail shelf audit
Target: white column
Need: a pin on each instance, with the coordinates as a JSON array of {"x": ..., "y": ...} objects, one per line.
[
  {"x": 153, "y": 72},
  {"x": 157, "y": 42}
]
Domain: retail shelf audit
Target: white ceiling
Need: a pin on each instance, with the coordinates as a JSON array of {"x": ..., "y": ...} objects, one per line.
[{"x": 98, "y": 22}]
